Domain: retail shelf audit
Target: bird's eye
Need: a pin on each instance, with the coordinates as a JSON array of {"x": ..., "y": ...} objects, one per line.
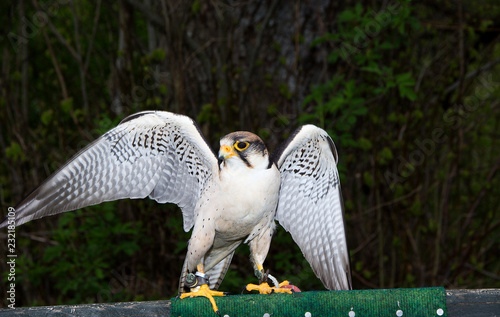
[{"x": 241, "y": 146}]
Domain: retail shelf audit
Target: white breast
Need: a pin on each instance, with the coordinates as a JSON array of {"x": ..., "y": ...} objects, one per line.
[{"x": 245, "y": 200}]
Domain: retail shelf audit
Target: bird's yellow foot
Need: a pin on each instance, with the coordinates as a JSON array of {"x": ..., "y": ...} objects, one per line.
[
  {"x": 264, "y": 288},
  {"x": 204, "y": 291}
]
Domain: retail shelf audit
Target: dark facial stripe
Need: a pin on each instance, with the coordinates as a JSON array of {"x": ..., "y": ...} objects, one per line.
[{"x": 244, "y": 159}]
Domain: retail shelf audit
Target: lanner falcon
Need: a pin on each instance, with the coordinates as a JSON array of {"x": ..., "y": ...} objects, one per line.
[{"x": 227, "y": 201}]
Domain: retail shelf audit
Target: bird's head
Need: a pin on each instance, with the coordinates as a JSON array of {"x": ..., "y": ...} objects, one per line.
[{"x": 243, "y": 149}]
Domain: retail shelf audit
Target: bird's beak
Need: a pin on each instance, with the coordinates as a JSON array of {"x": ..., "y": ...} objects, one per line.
[{"x": 225, "y": 152}]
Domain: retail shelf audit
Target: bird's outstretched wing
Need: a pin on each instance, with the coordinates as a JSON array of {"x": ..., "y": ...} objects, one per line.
[
  {"x": 153, "y": 153},
  {"x": 310, "y": 203}
]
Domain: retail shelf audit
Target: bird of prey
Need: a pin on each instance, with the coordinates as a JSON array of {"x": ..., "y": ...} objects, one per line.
[{"x": 227, "y": 200}]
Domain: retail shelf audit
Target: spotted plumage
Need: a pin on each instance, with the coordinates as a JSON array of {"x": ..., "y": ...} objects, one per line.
[{"x": 226, "y": 200}]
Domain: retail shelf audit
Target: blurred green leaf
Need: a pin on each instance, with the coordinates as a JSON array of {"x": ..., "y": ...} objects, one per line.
[{"x": 15, "y": 152}]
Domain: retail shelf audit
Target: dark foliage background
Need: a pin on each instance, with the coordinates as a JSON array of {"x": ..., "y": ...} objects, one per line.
[{"x": 409, "y": 91}]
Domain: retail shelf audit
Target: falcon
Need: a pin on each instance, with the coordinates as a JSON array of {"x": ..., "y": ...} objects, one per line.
[{"x": 226, "y": 200}]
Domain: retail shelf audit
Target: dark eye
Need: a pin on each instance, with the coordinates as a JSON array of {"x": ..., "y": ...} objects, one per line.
[{"x": 240, "y": 146}]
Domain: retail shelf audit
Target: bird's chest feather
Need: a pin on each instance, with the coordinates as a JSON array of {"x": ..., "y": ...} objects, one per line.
[{"x": 246, "y": 200}]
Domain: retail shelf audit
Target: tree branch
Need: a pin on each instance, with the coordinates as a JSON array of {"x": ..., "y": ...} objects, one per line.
[
  {"x": 92, "y": 37},
  {"x": 251, "y": 66},
  {"x": 481, "y": 194},
  {"x": 83, "y": 84},
  {"x": 59, "y": 74}
]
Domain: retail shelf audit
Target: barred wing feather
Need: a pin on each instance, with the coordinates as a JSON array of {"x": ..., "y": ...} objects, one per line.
[
  {"x": 153, "y": 153},
  {"x": 310, "y": 204}
]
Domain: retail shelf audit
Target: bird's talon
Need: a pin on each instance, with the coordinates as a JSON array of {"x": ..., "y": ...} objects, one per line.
[
  {"x": 284, "y": 283},
  {"x": 264, "y": 288},
  {"x": 205, "y": 291}
]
